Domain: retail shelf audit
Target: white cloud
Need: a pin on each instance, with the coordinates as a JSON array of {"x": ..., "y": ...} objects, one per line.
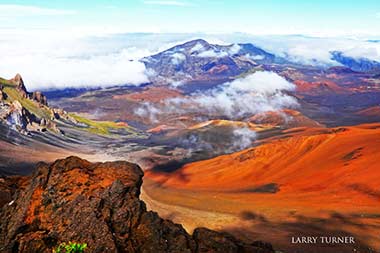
[
  {"x": 211, "y": 53},
  {"x": 234, "y": 49},
  {"x": 168, "y": 3},
  {"x": 255, "y": 57},
  {"x": 13, "y": 10},
  {"x": 218, "y": 54},
  {"x": 178, "y": 58},
  {"x": 58, "y": 59},
  {"x": 67, "y": 59},
  {"x": 46, "y": 62},
  {"x": 243, "y": 138},
  {"x": 256, "y": 93},
  {"x": 176, "y": 84},
  {"x": 311, "y": 50},
  {"x": 262, "y": 82},
  {"x": 197, "y": 48},
  {"x": 364, "y": 52}
]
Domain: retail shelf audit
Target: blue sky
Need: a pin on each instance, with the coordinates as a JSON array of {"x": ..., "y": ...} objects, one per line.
[{"x": 321, "y": 18}]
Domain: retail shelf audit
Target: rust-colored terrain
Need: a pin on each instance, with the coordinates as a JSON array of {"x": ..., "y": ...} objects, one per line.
[
  {"x": 75, "y": 200},
  {"x": 312, "y": 181},
  {"x": 296, "y": 157}
]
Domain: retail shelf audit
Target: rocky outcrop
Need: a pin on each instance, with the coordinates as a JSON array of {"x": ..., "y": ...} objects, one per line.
[
  {"x": 18, "y": 117},
  {"x": 39, "y": 97},
  {"x": 98, "y": 204},
  {"x": 8, "y": 187},
  {"x": 2, "y": 94},
  {"x": 36, "y": 95},
  {"x": 17, "y": 80}
]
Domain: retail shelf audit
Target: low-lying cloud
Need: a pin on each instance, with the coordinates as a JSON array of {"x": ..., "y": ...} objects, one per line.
[
  {"x": 55, "y": 60},
  {"x": 237, "y": 100},
  {"x": 212, "y": 53},
  {"x": 312, "y": 50},
  {"x": 256, "y": 93},
  {"x": 243, "y": 138},
  {"x": 71, "y": 63},
  {"x": 234, "y": 139},
  {"x": 178, "y": 58}
]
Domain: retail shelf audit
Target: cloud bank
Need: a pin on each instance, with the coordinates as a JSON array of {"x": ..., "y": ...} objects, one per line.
[
  {"x": 47, "y": 63},
  {"x": 256, "y": 93},
  {"x": 64, "y": 59},
  {"x": 61, "y": 59},
  {"x": 312, "y": 50},
  {"x": 237, "y": 100}
]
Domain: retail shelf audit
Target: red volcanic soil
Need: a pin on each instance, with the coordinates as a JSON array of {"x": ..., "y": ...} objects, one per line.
[
  {"x": 161, "y": 129},
  {"x": 340, "y": 159},
  {"x": 218, "y": 69},
  {"x": 286, "y": 118},
  {"x": 317, "y": 181},
  {"x": 373, "y": 111},
  {"x": 317, "y": 88},
  {"x": 151, "y": 94}
]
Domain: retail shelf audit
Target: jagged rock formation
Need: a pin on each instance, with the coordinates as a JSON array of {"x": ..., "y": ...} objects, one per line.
[
  {"x": 17, "y": 80},
  {"x": 14, "y": 112},
  {"x": 18, "y": 116},
  {"x": 2, "y": 94},
  {"x": 38, "y": 97},
  {"x": 22, "y": 120},
  {"x": 20, "y": 86},
  {"x": 73, "y": 199}
]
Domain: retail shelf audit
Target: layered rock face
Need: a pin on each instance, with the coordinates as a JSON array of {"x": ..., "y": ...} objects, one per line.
[
  {"x": 14, "y": 112},
  {"x": 98, "y": 204}
]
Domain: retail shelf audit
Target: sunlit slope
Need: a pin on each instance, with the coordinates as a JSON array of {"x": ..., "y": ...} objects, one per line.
[{"x": 332, "y": 160}]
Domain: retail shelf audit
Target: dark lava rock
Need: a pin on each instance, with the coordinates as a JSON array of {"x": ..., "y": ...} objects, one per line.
[
  {"x": 2, "y": 94},
  {"x": 98, "y": 204},
  {"x": 39, "y": 97}
]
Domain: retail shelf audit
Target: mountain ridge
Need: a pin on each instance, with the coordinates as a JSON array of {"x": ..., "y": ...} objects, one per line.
[{"x": 198, "y": 59}]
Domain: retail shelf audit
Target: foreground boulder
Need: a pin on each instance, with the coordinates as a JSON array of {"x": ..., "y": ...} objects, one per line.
[{"x": 98, "y": 204}]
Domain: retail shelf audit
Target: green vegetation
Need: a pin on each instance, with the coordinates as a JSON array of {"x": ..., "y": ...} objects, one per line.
[
  {"x": 102, "y": 127},
  {"x": 41, "y": 111},
  {"x": 32, "y": 106},
  {"x": 70, "y": 247},
  {"x": 4, "y": 81}
]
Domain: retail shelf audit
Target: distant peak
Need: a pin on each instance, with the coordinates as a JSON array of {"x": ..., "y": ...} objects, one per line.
[
  {"x": 195, "y": 42},
  {"x": 198, "y": 41}
]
